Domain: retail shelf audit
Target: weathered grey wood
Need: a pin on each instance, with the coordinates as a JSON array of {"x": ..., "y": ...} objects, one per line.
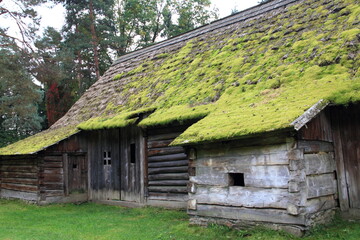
[
  {"x": 66, "y": 174},
  {"x": 320, "y": 204},
  {"x": 27, "y": 169},
  {"x": 19, "y": 175},
  {"x": 169, "y": 164},
  {"x": 29, "y": 196},
  {"x": 309, "y": 114},
  {"x": 276, "y": 176},
  {"x": 315, "y": 146},
  {"x": 245, "y": 197},
  {"x": 320, "y": 163},
  {"x": 165, "y": 151},
  {"x": 228, "y": 151},
  {"x": 168, "y": 170},
  {"x": 165, "y": 136},
  {"x": 19, "y": 187},
  {"x": 169, "y": 183},
  {"x": 169, "y": 157},
  {"x": 169, "y": 176},
  {"x": 30, "y": 181},
  {"x": 279, "y": 158},
  {"x": 159, "y": 143},
  {"x": 245, "y": 214},
  {"x": 321, "y": 185},
  {"x": 168, "y": 196},
  {"x": 172, "y": 189}
]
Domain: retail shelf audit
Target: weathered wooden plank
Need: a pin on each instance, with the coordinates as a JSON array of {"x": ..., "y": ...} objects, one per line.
[
  {"x": 228, "y": 151},
  {"x": 18, "y": 162},
  {"x": 319, "y": 163},
  {"x": 26, "y": 181},
  {"x": 165, "y": 151},
  {"x": 279, "y": 158},
  {"x": 53, "y": 171},
  {"x": 168, "y": 170},
  {"x": 276, "y": 176},
  {"x": 246, "y": 214},
  {"x": 53, "y": 158},
  {"x": 170, "y": 189},
  {"x": 53, "y": 164},
  {"x": 168, "y": 196},
  {"x": 320, "y": 204},
  {"x": 169, "y": 164},
  {"x": 315, "y": 146},
  {"x": 169, "y": 176},
  {"x": 27, "y": 169},
  {"x": 29, "y": 196},
  {"x": 168, "y": 183},
  {"x": 19, "y": 175},
  {"x": 321, "y": 185},
  {"x": 19, "y": 187},
  {"x": 165, "y": 136},
  {"x": 170, "y": 157},
  {"x": 245, "y": 197},
  {"x": 159, "y": 143},
  {"x": 54, "y": 186},
  {"x": 54, "y": 193}
]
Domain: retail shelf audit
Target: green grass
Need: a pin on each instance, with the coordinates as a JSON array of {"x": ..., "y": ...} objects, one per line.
[{"x": 92, "y": 221}]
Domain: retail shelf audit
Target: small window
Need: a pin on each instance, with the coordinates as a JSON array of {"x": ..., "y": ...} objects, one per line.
[
  {"x": 132, "y": 153},
  {"x": 107, "y": 158},
  {"x": 237, "y": 179},
  {"x": 74, "y": 166}
]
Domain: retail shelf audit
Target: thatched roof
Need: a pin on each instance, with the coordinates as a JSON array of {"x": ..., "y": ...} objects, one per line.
[{"x": 253, "y": 72}]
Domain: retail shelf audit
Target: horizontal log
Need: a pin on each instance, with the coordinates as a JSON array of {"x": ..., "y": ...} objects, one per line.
[
  {"x": 165, "y": 136},
  {"x": 320, "y": 204},
  {"x": 248, "y": 214},
  {"x": 27, "y": 169},
  {"x": 319, "y": 163},
  {"x": 278, "y": 158},
  {"x": 53, "y": 186},
  {"x": 159, "y": 143},
  {"x": 169, "y": 157},
  {"x": 315, "y": 146},
  {"x": 168, "y": 196},
  {"x": 19, "y": 162},
  {"x": 169, "y": 176},
  {"x": 53, "y": 158},
  {"x": 26, "y": 181},
  {"x": 321, "y": 185},
  {"x": 53, "y": 164},
  {"x": 19, "y": 187},
  {"x": 53, "y": 171},
  {"x": 165, "y": 151},
  {"x": 53, "y": 193},
  {"x": 276, "y": 176},
  {"x": 245, "y": 197},
  {"x": 47, "y": 177},
  {"x": 169, "y": 183},
  {"x": 30, "y": 196},
  {"x": 221, "y": 150},
  {"x": 169, "y": 189},
  {"x": 168, "y": 170},
  {"x": 19, "y": 175},
  {"x": 169, "y": 164}
]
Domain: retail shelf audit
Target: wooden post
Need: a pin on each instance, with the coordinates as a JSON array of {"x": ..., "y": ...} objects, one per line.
[{"x": 66, "y": 174}]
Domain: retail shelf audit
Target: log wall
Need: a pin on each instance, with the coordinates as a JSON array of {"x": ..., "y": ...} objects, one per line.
[
  {"x": 284, "y": 184},
  {"x": 167, "y": 166},
  {"x": 19, "y": 177}
]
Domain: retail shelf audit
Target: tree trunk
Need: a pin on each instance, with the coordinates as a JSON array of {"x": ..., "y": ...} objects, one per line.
[{"x": 94, "y": 39}]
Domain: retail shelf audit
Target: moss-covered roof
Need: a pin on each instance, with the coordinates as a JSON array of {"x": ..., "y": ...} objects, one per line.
[{"x": 256, "y": 71}]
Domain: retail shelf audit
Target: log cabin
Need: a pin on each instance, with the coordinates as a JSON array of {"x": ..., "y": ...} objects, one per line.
[{"x": 251, "y": 120}]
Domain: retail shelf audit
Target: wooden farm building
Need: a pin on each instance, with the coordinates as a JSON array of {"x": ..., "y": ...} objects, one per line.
[{"x": 252, "y": 119}]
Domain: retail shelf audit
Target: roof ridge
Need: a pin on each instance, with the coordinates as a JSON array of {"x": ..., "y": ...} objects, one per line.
[{"x": 228, "y": 20}]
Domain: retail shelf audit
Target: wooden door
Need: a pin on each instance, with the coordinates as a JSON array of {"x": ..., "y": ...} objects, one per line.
[
  {"x": 131, "y": 149},
  {"x": 346, "y": 126},
  {"x": 77, "y": 173}
]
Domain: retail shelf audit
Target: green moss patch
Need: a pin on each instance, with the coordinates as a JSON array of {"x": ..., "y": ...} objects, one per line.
[{"x": 39, "y": 141}]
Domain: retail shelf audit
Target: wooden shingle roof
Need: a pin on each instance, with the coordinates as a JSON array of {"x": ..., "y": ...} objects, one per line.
[{"x": 253, "y": 72}]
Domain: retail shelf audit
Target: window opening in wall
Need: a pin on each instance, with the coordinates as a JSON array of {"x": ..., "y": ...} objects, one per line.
[
  {"x": 237, "y": 179},
  {"x": 74, "y": 165},
  {"x": 132, "y": 152},
  {"x": 107, "y": 158}
]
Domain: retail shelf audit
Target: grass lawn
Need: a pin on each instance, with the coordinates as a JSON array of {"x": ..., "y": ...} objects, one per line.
[{"x": 92, "y": 221}]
